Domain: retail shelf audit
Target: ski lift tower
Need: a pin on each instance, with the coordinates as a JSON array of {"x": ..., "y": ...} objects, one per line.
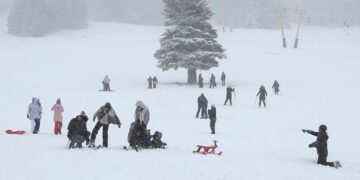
[{"x": 300, "y": 13}]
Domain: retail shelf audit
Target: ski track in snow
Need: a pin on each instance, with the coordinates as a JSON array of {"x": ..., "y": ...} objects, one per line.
[{"x": 319, "y": 83}]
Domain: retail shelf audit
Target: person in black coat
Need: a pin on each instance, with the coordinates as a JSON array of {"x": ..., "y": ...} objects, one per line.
[
  {"x": 201, "y": 81},
  {"x": 262, "y": 92},
  {"x": 78, "y": 132},
  {"x": 212, "y": 117},
  {"x": 276, "y": 86},
  {"x": 202, "y": 105},
  {"x": 229, "y": 92},
  {"x": 223, "y": 78},
  {"x": 321, "y": 146}
]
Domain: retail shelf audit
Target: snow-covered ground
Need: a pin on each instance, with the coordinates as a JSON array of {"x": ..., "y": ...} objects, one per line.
[{"x": 319, "y": 84}]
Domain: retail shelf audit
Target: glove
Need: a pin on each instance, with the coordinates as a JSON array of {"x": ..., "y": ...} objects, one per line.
[
  {"x": 304, "y": 130},
  {"x": 119, "y": 125},
  {"x": 94, "y": 118},
  {"x": 27, "y": 116}
]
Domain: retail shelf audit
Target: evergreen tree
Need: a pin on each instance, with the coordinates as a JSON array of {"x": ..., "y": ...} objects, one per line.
[
  {"x": 189, "y": 41},
  {"x": 30, "y": 18}
]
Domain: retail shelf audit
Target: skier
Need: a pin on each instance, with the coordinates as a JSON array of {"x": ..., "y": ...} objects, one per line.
[
  {"x": 155, "y": 82},
  {"x": 202, "y": 105},
  {"x": 201, "y": 81},
  {"x": 212, "y": 81},
  {"x": 276, "y": 86},
  {"x": 150, "y": 80},
  {"x": 223, "y": 77},
  {"x": 106, "y": 83},
  {"x": 78, "y": 132},
  {"x": 106, "y": 115},
  {"x": 34, "y": 114},
  {"x": 229, "y": 92},
  {"x": 58, "y": 118},
  {"x": 212, "y": 117},
  {"x": 142, "y": 114},
  {"x": 321, "y": 146},
  {"x": 262, "y": 92}
]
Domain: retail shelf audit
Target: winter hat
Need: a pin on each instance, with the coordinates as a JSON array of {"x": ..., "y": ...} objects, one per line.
[
  {"x": 82, "y": 113},
  {"x": 213, "y": 105},
  {"x": 140, "y": 104},
  {"x": 323, "y": 127},
  {"x": 107, "y": 105},
  {"x": 58, "y": 101}
]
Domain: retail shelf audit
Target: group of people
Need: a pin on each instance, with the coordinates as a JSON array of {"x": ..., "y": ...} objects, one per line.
[
  {"x": 212, "y": 82},
  {"x": 152, "y": 82}
]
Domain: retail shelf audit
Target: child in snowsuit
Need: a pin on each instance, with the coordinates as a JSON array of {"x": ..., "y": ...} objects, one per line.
[
  {"x": 78, "y": 132},
  {"x": 212, "y": 117},
  {"x": 106, "y": 83},
  {"x": 106, "y": 115},
  {"x": 321, "y": 146},
  {"x": 155, "y": 82},
  {"x": 276, "y": 86},
  {"x": 58, "y": 118},
  {"x": 34, "y": 114},
  {"x": 262, "y": 92},
  {"x": 150, "y": 80}
]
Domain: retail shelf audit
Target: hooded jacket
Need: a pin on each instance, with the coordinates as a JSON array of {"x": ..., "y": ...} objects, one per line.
[{"x": 34, "y": 109}]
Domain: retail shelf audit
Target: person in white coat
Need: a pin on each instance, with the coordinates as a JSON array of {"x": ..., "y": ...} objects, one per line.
[
  {"x": 142, "y": 114},
  {"x": 34, "y": 114}
]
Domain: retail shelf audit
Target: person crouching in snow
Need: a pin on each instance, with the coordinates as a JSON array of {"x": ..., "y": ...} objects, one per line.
[
  {"x": 106, "y": 115},
  {"x": 321, "y": 146},
  {"x": 58, "y": 118},
  {"x": 78, "y": 132},
  {"x": 34, "y": 114},
  {"x": 212, "y": 117}
]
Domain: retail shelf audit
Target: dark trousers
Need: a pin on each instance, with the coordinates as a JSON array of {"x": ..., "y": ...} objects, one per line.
[
  {"x": 322, "y": 156},
  {"x": 276, "y": 90},
  {"x": 105, "y": 133},
  {"x": 106, "y": 86},
  {"x": 37, "y": 126},
  {"x": 150, "y": 85},
  {"x": 77, "y": 139},
  {"x": 227, "y": 99},
  {"x": 198, "y": 111},
  {"x": 204, "y": 111},
  {"x": 212, "y": 125},
  {"x": 223, "y": 82},
  {"x": 262, "y": 100},
  {"x": 154, "y": 85}
]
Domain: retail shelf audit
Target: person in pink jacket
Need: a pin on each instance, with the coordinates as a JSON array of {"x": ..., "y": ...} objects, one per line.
[{"x": 58, "y": 118}]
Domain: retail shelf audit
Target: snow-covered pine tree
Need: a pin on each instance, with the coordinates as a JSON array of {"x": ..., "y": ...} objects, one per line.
[{"x": 189, "y": 41}]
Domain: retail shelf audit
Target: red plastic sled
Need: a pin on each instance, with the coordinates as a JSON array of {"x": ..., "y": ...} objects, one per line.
[
  {"x": 14, "y": 132},
  {"x": 207, "y": 149}
]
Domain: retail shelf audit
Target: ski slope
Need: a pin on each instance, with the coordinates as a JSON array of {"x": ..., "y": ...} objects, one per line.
[{"x": 319, "y": 84}]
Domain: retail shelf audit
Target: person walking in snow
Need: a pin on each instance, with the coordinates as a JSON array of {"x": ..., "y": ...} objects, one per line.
[
  {"x": 201, "y": 81},
  {"x": 321, "y": 146},
  {"x": 229, "y": 92},
  {"x": 155, "y": 82},
  {"x": 262, "y": 92},
  {"x": 58, "y": 118},
  {"x": 105, "y": 115},
  {"x": 34, "y": 114},
  {"x": 212, "y": 81},
  {"x": 142, "y": 114},
  {"x": 276, "y": 86},
  {"x": 77, "y": 131},
  {"x": 106, "y": 83},
  {"x": 223, "y": 78},
  {"x": 212, "y": 117},
  {"x": 150, "y": 82},
  {"x": 202, "y": 106}
]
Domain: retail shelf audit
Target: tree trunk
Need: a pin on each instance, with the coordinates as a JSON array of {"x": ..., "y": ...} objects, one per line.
[{"x": 191, "y": 76}]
